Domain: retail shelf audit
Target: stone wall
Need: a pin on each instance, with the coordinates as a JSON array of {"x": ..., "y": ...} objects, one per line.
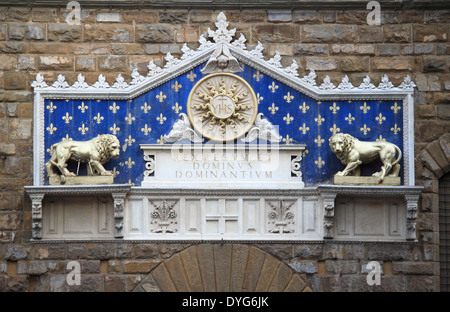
[{"x": 110, "y": 42}]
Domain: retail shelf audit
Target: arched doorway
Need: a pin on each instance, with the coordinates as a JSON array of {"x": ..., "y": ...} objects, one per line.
[
  {"x": 222, "y": 268},
  {"x": 434, "y": 171}
]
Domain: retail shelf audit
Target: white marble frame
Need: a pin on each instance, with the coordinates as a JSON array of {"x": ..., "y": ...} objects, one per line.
[{"x": 174, "y": 67}]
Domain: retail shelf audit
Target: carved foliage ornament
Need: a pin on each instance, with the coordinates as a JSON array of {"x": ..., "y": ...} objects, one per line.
[
  {"x": 164, "y": 216},
  {"x": 222, "y": 107}
]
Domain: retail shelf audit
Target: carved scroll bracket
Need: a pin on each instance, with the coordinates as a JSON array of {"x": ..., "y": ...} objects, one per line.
[
  {"x": 328, "y": 214},
  {"x": 412, "y": 203},
  {"x": 36, "y": 215},
  {"x": 119, "y": 204}
]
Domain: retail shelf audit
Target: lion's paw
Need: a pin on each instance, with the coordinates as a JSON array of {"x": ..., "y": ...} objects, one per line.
[{"x": 340, "y": 173}]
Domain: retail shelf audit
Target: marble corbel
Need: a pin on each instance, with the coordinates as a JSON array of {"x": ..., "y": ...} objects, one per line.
[
  {"x": 36, "y": 215},
  {"x": 328, "y": 203},
  {"x": 119, "y": 204},
  {"x": 412, "y": 202}
]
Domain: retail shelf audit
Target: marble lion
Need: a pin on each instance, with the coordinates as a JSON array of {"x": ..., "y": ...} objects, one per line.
[
  {"x": 95, "y": 152},
  {"x": 352, "y": 153}
]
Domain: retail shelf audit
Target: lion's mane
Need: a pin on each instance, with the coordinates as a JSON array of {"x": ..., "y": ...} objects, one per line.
[
  {"x": 102, "y": 144},
  {"x": 349, "y": 142}
]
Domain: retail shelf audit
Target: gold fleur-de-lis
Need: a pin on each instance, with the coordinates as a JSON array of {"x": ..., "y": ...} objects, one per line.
[
  {"x": 303, "y": 107},
  {"x": 304, "y": 128},
  {"x": 380, "y": 119},
  {"x": 191, "y": 76},
  {"x": 349, "y": 118},
  {"x": 161, "y": 97},
  {"x": 319, "y": 120},
  {"x": 334, "y": 108},
  {"x": 114, "y": 108},
  {"x": 99, "y": 118},
  {"x": 395, "y": 108},
  {"x": 146, "y": 108},
  {"x": 273, "y": 87},
  {"x": 334, "y": 129},
  {"x": 161, "y": 119},
  {"x": 319, "y": 141},
  {"x": 287, "y": 139},
  {"x": 130, "y": 140},
  {"x": 129, "y": 119},
  {"x": 364, "y": 108},
  {"x": 160, "y": 140},
  {"x": 319, "y": 162},
  {"x": 51, "y": 107},
  {"x": 114, "y": 129},
  {"x": 177, "y": 108},
  {"x": 115, "y": 172},
  {"x": 381, "y": 139},
  {"x": 67, "y": 138},
  {"x": 305, "y": 152},
  {"x": 258, "y": 76},
  {"x": 288, "y": 118},
  {"x": 288, "y": 97},
  {"x": 176, "y": 87},
  {"x": 83, "y": 107},
  {"x": 365, "y": 129},
  {"x": 259, "y": 98},
  {"x": 146, "y": 129},
  {"x": 129, "y": 163},
  {"x": 67, "y": 118},
  {"x": 395, "y": 129},
  {"x": 129, "y": 182},
  {"x": 51, "y": 128},
  {"x": 273, "y": 109},
  {"x": 83, "y": 129}
]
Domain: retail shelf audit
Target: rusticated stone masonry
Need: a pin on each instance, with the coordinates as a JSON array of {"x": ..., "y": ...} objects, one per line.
[{"x": 113, "y": 41}]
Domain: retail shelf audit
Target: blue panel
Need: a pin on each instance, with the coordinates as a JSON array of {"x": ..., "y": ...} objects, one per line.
[{"x": 301, "y": 120}]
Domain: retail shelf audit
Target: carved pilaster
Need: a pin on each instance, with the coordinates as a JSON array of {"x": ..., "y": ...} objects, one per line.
[
  {"x": 328, "y": 214},
  {"x": 119, "y": 203},
  {"x": 36, "y": 215},
  {"x": 412, "y": 202}
]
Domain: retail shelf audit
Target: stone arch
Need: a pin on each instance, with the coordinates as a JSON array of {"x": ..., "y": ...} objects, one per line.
[
  {"x": 435, "y": 158},
  {"x": 222, "y": 268},
  {"x": 432, "y": 163}
]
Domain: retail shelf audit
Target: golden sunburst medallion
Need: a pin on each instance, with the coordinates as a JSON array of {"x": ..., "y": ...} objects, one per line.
[{"x": 222, "y": 107}]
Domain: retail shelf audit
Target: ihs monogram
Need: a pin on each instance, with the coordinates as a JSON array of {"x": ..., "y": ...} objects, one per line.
[{"x": 222, "y": 106}]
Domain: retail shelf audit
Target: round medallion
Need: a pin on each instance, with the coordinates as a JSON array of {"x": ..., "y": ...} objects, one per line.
[{"x": 222, "y": 107}]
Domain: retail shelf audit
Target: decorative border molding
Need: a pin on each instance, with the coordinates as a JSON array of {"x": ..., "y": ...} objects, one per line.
[
  {"x": 175, "y": 67},
  {"x": 217, "y": 241},
  {"x": 141, "y": 191}
]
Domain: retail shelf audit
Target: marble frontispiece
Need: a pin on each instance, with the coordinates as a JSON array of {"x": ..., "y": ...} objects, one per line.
[{"x": 222, "y": 143}]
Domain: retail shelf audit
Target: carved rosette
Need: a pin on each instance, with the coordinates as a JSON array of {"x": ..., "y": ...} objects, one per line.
[
  {"x": 280, "y": 217},
  {"x": 163, "y": 217},
  {"x": 411, "y": 216},
  {"x": 222, "y": 107}
]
